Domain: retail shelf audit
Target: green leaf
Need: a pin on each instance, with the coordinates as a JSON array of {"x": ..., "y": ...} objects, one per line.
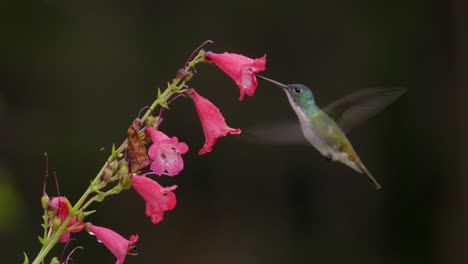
[
  {"x": 26, "y": 259},
  {"x": 55, "y": 261},
  {"x": 41, "y": 239}
]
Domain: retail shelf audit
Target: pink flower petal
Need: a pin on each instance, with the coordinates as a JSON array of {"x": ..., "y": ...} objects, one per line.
[
  {"x": 165, "y": 153},
  {"x": 155, "y": 135},
  {"x": 240, "y": 68},
  {"x": 213, "y": 123},
  {"x": 60, "y": 205},
  {"x": 158, "y": 199},
  {"x": 118, "y": 245}
]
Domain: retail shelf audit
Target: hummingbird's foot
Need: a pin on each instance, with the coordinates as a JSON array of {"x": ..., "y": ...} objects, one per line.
[{"x": 328, "y": 157}]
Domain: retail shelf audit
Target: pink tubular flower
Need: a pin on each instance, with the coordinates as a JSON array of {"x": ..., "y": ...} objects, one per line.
[
  {"x": 60, "y": 206},
  {"x": 158, "y": 199},
  {"x": 165, "y": 153},
  {"x": 213, "y": 123},
  {"x": 240, "y": 68},
  {"x": 118, "y": 245}
]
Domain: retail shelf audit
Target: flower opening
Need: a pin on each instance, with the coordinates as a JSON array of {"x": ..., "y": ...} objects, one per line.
[
  {"x": 118, "y": 245},
  {"x": 158, "y": 199},
  {"x": 213, "y": 123},
  {"x": 165, "y": 153},
  {"x": 240, "y": 68}
]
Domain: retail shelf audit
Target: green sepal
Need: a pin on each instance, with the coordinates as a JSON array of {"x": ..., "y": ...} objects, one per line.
[
  {"x": 80, "y": 216},
  {"x": 100, "y": 197},
  {"x": 26, "y": 259},
  {"x": 126, "y": 182},
  {"x": 159, "y": 93},
  {"x": 56, "y": 222},
  {"x": 89, "y": 212},
  {"x": 93, "y": 186},
  {"x": 123, "y": 170},
  {"x": 164, "y": 104},
  {"x": 55, "y": 261},
  {"x": 114, "y": 152},
  {"x": 41, "y": 240},
  {"x": 151, "y": 120}
]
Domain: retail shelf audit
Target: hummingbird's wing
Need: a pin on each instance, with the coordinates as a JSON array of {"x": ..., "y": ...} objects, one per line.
[
  {"x": 351, "y": 110},
  {"x": 347, "y": 112},
  {"x": 286, "y": 132}
]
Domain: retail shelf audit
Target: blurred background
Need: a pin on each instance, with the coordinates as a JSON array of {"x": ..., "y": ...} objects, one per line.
[{"x": 74, "y": 74}]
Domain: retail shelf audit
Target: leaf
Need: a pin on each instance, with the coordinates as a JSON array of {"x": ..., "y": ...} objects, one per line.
[
  {"x": 138, "y": 157},
  {"x": 55, "y": 261},
  {"x": 41, "y": 239},
  {"x": 26, "y": 259}
]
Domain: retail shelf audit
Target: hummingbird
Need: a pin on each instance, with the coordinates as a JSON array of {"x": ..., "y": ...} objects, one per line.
[{"x": 325, "y": 129}]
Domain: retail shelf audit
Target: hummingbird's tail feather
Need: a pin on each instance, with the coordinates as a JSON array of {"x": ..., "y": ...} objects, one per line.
[
  {"x": 354, "y": 162},
  {"x": 369, "y": 175}
]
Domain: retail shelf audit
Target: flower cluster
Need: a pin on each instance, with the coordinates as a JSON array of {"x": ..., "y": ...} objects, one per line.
[{"x": 149, "y": 151}]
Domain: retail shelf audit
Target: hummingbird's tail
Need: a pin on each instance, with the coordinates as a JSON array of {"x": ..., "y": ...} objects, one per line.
[
  {"x": 354, "y": 162},
  {"x": 369, "y": 175}
]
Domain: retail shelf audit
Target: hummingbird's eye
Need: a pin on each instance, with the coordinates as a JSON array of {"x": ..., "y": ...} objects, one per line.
[{"x": 297, "y": 90}]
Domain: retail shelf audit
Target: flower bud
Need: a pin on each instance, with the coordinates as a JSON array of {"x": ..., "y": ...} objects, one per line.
[
  {"x": 107, "y": 175},
  {"x": 110, "y": 170},
  {"x": 87, "y": 227},
  {"x": 123, "y": 170},
  {"x": 152, "y": 120},
  {"x": 184, "y": 75},
  {"x": 45, "y": 201},
  {"x": 126, "y": 182},
  {"x": 80, "y": 216},
  {"x": 100, "y": 197},
  {"x": 56, "y": 223}
]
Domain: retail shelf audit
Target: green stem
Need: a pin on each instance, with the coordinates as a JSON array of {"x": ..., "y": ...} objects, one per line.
[{"x": 50, "y": 242}]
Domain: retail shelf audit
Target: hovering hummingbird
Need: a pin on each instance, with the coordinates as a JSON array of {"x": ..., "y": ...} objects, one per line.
[{"x": 325, "y": 128}]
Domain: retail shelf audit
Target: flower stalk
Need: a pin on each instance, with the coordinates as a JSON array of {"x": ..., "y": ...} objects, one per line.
[
  {"x": 177, "y": 86},
  {"x": 127, "y": 162}
]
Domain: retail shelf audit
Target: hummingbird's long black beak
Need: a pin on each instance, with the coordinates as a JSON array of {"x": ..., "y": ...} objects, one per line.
[{"x": 284, "y": 86}]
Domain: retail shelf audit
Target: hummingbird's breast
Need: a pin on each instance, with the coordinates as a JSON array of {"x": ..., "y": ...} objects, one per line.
[
  {"x": 325, "y": 135},
  {"x": 312, "y": 133}
]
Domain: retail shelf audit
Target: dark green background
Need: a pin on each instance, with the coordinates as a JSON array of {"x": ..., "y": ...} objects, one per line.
[{"x": 74, "y": 74}]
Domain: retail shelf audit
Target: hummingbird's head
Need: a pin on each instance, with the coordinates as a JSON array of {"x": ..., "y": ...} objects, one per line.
[{"x": 298, "y": 93}]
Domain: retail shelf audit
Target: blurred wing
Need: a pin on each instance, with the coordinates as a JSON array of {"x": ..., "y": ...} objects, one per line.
[
  {"x": 286, "y": 132},
  {"x": 352, "y": 110}
]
